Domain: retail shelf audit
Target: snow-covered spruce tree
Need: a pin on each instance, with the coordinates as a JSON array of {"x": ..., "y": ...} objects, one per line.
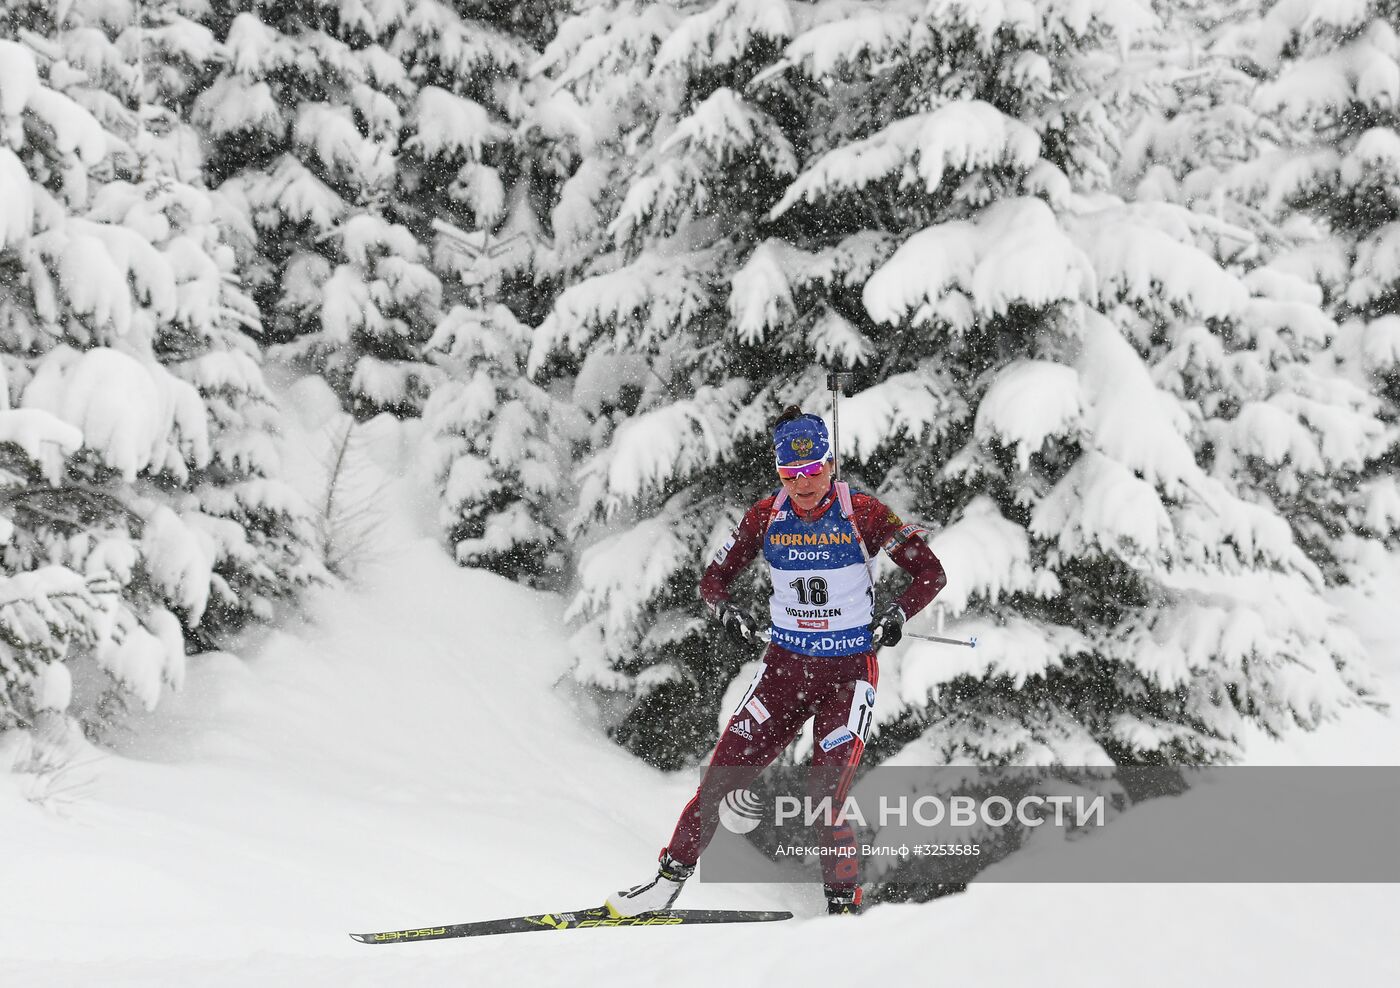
[
  {"x": 483, "y": 183},
  {"x": 1325, "y": 174},
  {"x": 396, "y": 170},
  {"x": 599, "y": 60},
  {"x": 495, "y": 451},
  {"x": 141, "y": 510},
  {"x": 211, "y": 343},
  {"x": 952, "y": 235},
  {"x": 660, "y": 215},
  {"x": 1201, "y": 142},
  {"x": 1112, "y": 539},
  {"x": 1193, "y": 122},
  {"x": 307, "y": 120}
]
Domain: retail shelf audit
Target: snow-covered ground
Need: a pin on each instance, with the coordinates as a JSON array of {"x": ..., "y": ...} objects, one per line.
[{"x": 408, "y": 755}]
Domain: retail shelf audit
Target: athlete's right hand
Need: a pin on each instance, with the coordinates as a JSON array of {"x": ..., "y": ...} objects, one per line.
[{"x": 737, "y": 621}]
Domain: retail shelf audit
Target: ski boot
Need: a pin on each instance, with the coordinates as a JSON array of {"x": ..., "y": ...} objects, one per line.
[
  {"x": 655, "y": 895},
  {"x": 843, "y": 901}
]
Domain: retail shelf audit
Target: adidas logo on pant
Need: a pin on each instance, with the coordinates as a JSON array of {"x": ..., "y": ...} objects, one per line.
[{"x": 743, "y": 728}]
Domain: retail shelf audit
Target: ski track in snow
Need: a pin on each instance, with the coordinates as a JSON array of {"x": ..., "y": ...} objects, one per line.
[{"x": 407, "y": 755}]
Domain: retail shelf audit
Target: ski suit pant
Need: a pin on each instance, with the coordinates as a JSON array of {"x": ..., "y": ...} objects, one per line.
[{"x": 839, "y": 692}]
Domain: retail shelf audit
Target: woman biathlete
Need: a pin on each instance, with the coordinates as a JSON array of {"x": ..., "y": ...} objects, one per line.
[{"x": 818, "y": 539}]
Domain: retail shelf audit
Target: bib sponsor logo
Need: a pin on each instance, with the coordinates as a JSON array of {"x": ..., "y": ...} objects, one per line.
[
  {"x": 816, "y": 555},
  {"x": 825, "y": 612},
  {"x": 830, "y": 642},
  {"x": 803, "y": 641},
  {"x": 810, "y": 538},
  {"x": 813, "y": 624},
  {"x": 837, "y": 738}
]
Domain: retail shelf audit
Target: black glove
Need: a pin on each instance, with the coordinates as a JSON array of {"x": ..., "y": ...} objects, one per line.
[
  {"x": 737, "y": 621},
  {"x": 888, "y": 628}
]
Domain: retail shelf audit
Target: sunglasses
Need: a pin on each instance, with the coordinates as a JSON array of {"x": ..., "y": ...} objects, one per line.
[{"x": 805, "y": 470}]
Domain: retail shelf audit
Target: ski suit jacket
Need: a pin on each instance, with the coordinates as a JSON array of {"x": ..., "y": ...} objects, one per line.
[{"x": 879, "y": 528}]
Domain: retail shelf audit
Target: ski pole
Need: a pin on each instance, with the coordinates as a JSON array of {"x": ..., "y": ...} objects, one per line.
[
  {"x": 967, "y": 643},
  {"x": 766, "y": 636},
  {"x": 833, "y": 381}
]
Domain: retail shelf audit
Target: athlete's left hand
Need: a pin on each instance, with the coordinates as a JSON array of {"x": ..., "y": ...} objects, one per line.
[{"x": 888, "y": 628}]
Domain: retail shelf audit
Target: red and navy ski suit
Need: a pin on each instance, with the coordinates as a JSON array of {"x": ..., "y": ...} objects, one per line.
[{"x": 792, "y": 684}]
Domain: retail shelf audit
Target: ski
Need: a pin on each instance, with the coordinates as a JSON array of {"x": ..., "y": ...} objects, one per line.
[{"x": 580, "y": 919}]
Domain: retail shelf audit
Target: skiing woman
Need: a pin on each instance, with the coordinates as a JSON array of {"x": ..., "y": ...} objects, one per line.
[{"x": 818, "y": 538}]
